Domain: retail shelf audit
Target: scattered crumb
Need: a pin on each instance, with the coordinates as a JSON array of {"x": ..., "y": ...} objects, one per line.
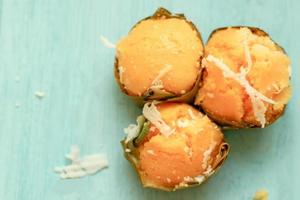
[
  {"x": 17, "y": 105},
  {"x": 81, "y": 167},
  {"x": 261, "y": 194},
  {"x": 39, "y": 94},
  {"x": 106, "y": 42},
  {"x": 17, "y": 78}
]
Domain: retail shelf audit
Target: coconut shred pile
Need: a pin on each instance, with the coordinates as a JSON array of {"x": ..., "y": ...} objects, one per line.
[
  {"x": 81, "y": 167},
  {"x": 256, "y": 97},
  {"x": 153, "y": 115}
]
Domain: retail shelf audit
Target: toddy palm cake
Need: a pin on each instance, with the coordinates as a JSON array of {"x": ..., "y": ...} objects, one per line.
[
  {"x": 160, "y": 58},
  {"x": 246, "y": 78},
  {"x": 174, "y": 146}
]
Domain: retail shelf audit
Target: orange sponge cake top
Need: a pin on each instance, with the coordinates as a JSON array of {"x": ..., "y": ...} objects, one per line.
[{"x": 163, "y": 53}]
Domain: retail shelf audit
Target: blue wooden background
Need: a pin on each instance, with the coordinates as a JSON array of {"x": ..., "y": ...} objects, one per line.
[{"x": 54, "y": 46}]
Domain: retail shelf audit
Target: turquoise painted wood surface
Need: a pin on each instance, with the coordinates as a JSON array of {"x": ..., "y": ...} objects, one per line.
[{"x": 54, "y": 46}]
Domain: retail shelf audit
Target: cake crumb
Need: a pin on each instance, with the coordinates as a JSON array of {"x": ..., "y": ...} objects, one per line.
[
  {"x": 81, "y": 166},
  {"x": 39, "y": 94},
  {"x": 106, "y": 42},
  {"x": 17, "y": 78},
  {"x": 261, "y": 194},
  {"x": 17, "y": 105}
]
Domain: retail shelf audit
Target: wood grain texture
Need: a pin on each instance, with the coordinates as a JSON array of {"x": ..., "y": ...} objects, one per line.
[{"x": 54, "y": 46}]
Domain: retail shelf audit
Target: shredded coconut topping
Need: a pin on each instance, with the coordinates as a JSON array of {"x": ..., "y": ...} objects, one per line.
[
  {"x": 121, "y": 71},
  {"x": 173, "y": 123},
  {"x": 151, "y": 152},
  {"x": 188, "y": 179},
  {"x": 276, "y": 87},
  {"x": 182, "y": 123},
  {"x": 203, "y": 63},
  {"x": 200, "y": 130},
  {"x": 127, "y": 150},
  {"x": 132, "y": 131},
  {"x": 107, "y": 43},
  {"x": 209, "y": 171},
  {"x": 74, "y": 153},
  {"x": 199, "y": 178},
  {"x": 188, "y": 151},
  {"x": 247, "y": 55},
  {"x": 191, "y": 114},
  {"x": 210, "y": 95},
  {"x": 256, "y": 97},
  {"x": 157, "y": 83},
  {"x": 80, "y": 167},
  {"x": 151, "y": 113},
  {"x": 182, "y": 184},
  {"x": 206, "y": 155},
  {"x": 290, "y": 70}
]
